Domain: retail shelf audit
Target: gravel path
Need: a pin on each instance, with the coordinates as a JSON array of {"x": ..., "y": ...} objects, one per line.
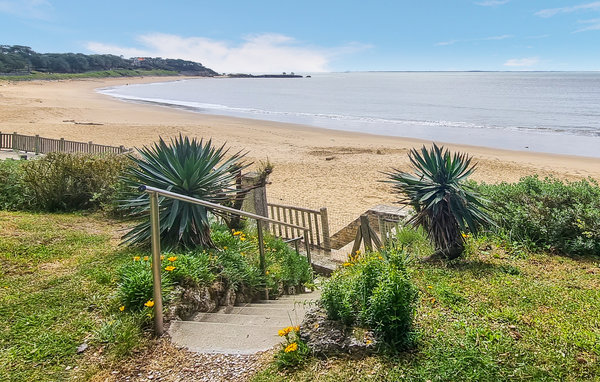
[{"x": 166, "y": 363}]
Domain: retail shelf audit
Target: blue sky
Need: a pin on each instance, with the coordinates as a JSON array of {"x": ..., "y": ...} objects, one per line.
[{"x": 312, "y": 36}]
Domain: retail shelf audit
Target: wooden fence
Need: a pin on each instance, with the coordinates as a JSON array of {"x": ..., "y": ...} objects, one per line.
[
  {"x": 315, "y": 221},
  {"x": 39, "y": 145}
]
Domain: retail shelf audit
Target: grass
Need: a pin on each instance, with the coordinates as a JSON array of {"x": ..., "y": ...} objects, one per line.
[
  {"x": 95, "y": 74},
  {"x": 492, "y": 316},
  {"x": 56, "y": 286}
]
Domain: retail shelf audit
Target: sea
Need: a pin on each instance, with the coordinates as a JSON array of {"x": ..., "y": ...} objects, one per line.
[{"x": 550, "y": 112}]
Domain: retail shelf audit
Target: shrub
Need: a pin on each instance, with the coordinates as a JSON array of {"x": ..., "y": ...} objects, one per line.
[
  {"x": 69, "y": 182},
  {"x": 13, "y": 193},
  {"x": 445, "y": 206},
  {"x": 188, "y": 167},
  {"x": 548, "y": 214},
  {"x": 189, "y": 270},
  {"x": 374, "y": 291},
  {"x": 135, "y": 284},
  {"x": 284, "y": 265}
]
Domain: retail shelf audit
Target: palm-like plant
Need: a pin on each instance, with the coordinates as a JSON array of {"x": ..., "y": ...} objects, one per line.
[
  {"x": 188, "y": 167},
  {"x": 444, "y": 204}
]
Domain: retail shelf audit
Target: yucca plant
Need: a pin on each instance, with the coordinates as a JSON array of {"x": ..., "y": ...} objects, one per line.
[
  {"x": 184, "y": 166},
  {"x": 445, "y": 206}
]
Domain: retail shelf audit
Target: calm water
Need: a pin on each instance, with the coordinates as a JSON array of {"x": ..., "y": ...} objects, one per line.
[{"x": 544, "y": 112}]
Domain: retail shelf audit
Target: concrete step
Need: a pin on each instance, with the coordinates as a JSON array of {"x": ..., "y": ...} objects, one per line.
[
  {"x": 290, "y": 311},
  {"x": 246, "y": 319},
  {"x": 211, "y": 337}
]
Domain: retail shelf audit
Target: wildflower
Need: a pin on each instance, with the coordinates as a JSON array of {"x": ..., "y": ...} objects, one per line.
[
  {"x": 347, "y": 264},
  {"x": 429, "y": 287},
  {"x": 291, "y": 347},
  {"x": 136, "y": 258},
  {"x": 149, "y": 303},
  {"x": 122, "y": 308},
  {"x": 169, "y": 268},
  {"x": 242, "y": 238},
  {"x": 297, "y": 328},
  {"x": 237, "y": 233},
  {"x": 281, "y": 332},
  {"x": 368, "y": 342},
  {"x": 358, "y": 251},
  {"x": 225, "y": 248},
  {"x": 145, "y": 258},
  {"x": 172, "y": 258},
  {"x": 432, "y": 300},
  {"x": 162, "y": 257},
  {"x": 267, "y": 272}
]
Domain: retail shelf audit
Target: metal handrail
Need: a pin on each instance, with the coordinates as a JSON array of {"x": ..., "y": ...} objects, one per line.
[{"x": 155, "y": 229}]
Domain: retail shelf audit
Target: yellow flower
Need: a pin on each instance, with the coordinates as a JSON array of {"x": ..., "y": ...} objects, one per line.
[
  {"x": 432, "y": 300},
  {"x": 145, "y": 258},
  {"x": 347, "y": 264},
  {"x": 225, "y": 248},
  {"x": 169, "y": 268},
  {"x": 162, "y": 257},
  {"x": 281, "y": 332},
  {"x": 149, "y": 303},
  {"x": 237, "y": 233},
  {"x": 122, "y": 308},
  {"x": 267, "y": 272},
  {"x": 297, "y": 328},
  {"x": 429, "y": 286},
  {"x": 242, "y": 238},
  {"x": 172, "y": 258},
  {"x": 291, "y": 347},
  {"x": 136, "y": 258},
  {"x": 358, "y": 251}
]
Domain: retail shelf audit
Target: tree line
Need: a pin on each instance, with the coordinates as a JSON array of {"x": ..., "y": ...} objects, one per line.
[{"x": 23, "y": 59}]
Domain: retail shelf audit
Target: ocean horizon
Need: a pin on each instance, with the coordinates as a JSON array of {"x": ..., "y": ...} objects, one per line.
[{"x": 547, "y": 112}]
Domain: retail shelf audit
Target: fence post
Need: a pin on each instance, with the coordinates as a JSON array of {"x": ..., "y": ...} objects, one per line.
[
  {"x": 90, "y": 145},
  {"x": 307, "y": 247},
  {"x": 61, "y": 145},
  {"x": 325, "y": 228},
  {"x": 366, "y": 232},
  {"x": 37, "y": 144},
  {"x": 15, "y": 146},
  {"x": 156, "y": 264},
  {"x": 121, "y": 149}
]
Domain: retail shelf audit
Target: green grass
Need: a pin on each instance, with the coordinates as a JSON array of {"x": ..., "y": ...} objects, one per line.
[
  {"x": 56, "y": 282},
  {"x": 96, "y": 74},
  {"x": 489, "y": 317}
]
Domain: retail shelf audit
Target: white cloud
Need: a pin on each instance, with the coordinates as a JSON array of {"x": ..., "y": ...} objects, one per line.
[
  {"x": 592, "y": 25},
  {"x": 492, "y": 3},
  {"x": 267, "y": 52},
  {"x": 581, "y": 7},
  {"x": 31, "y": 9},
  {"x": 491, "y": 38},
  {"x": 522, "y": 62}
]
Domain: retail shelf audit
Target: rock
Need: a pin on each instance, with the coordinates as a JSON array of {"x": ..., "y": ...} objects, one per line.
[
  {"x": 81, "y": 348},
  {"x": 191, "y": 301},
  {"x": 228, "y": 299},
  {"x": 327, "y": 337}
]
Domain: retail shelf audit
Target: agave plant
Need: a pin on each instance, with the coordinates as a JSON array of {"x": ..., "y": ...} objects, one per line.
[
  {"x": 445, "y": 206},
  {"x": 188, "y": 167}
]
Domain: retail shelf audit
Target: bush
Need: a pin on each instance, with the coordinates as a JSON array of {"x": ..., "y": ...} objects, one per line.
[
  {"x": 548, "y": 214},
  {"x": 374, "y": 291},
  {"x": 69, "y": 182},
  {"x": 12, "y": 190},
  {"x": 135, "y": 284}
]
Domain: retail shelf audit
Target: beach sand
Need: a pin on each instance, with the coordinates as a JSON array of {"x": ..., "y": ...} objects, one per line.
[{"x": 313, "y": 167}]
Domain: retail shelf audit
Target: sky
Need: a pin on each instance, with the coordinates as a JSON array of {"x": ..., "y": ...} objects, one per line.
[{"x": 318, "y": 36}]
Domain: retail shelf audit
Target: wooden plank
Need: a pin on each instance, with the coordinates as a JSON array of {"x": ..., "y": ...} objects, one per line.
[{"x": 295, "y": 208}]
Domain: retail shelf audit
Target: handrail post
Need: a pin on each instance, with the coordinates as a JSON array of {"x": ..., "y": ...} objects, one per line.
[
  {"x": 156, "y": 264},
  {"x": 261, "y": 254}
]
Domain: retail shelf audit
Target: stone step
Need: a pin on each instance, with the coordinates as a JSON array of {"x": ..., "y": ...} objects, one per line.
[
  {"x": 269, "y": 311},
  {"x": 246, "y": 319},
  {"x": 212, "y": 337}
]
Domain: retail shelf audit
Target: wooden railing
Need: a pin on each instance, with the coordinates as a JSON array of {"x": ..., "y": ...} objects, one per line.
[
  {"x": 38, "y": 145},
  {"x": 315, "y": 221}
]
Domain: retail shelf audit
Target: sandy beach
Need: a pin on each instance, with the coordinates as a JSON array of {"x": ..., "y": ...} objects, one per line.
[{"x": 313, "y": 167}]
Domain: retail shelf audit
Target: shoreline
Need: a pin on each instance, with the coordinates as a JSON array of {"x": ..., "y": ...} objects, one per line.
[{"x": 314, "y": 167}]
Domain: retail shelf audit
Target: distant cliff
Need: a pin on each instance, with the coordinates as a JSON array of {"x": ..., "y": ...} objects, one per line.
[{"x": 18, "y": 59}]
